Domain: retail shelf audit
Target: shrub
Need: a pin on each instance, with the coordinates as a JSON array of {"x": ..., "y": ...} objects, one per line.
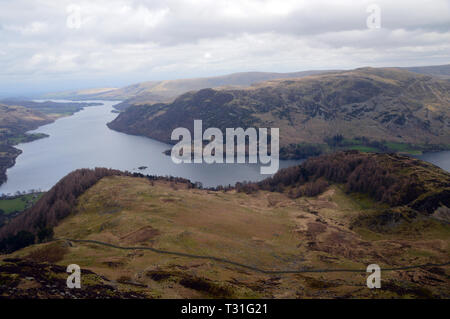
[
  {"x": 50, "y": 253},
  {"x": 15, "y": 242},
  {"x": 45, "y": 234}
]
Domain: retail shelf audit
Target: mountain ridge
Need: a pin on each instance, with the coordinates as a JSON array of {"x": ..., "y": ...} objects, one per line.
[
  {"x": 167, "y": 90},
  {"x": 378, "y": 103}
]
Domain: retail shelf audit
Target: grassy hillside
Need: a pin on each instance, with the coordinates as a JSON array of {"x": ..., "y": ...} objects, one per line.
[
  {"x": 198, "y": 243},
  {"x": 387, "y": 104},
  {"x": 166, "y": 91},
  {"x": 55, "y": 205},
  {"x": 20, "y": 119}
]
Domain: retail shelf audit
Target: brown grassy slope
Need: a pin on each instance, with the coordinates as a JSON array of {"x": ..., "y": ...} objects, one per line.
[
  {"x": 341, "y": 228},
  {"x": 266, "y": 230},
  {"x": 389, "y": 178},
  {"x": 57, "y": 203},
  {"x": 403, "y": 183},
  {"x": 386, "y": 103},
  {"x": 21, "y": 119}
]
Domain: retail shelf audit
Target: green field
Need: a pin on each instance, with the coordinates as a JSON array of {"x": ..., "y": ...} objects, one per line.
[
  {"x": 404, "y": 148},
  {"x": 384, "y": 146},
  {"x": 24, "y": 138},
  {"x": 19, "y": 203}
]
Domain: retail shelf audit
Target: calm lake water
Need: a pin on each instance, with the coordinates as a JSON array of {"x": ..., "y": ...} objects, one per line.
[
  {"x": 84, "y": 141},
  {"x": 441, "y": 159}
]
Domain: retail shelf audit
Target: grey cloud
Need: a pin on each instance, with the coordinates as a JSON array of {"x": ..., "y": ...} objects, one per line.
[{"x": 134, "y": 40}]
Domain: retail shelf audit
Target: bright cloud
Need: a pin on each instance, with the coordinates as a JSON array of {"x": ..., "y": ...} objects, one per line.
[{"x": 67, "y": 44}]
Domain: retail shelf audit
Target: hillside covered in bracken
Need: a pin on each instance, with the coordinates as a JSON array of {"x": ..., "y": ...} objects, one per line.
[
  {"x": 55, "y": 205},
  {"x": 409, "y": 188},
  {"x": 384, "y": 104},
  {"x": 389, "y": 178},
  {"x": 153, "y": 237},
  {"x": 37, "y": 222}
]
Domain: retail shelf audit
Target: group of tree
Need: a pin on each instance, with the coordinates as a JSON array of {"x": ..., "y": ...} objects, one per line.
[
  {"x": 303, "y": 150},
  {"x": 339, "y": 141},
  {"x": 19, "y": 193},
  {"x": 368, "y": 173},
  {"x": 36, "y": 223},
  {"x": 379, "y": 175}
]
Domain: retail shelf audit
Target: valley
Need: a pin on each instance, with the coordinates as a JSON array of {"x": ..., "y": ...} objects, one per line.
[
  {"x": 225, "y": 159},
  {"x": 217, "y": 231}
]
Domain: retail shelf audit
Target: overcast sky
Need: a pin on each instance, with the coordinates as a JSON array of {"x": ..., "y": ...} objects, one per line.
[{"x": 52, "y": 45}]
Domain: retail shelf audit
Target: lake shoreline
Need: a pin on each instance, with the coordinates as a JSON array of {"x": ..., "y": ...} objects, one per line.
[
  {"x": 13, "y": 152},
  {"x": 85, "y": 141}
]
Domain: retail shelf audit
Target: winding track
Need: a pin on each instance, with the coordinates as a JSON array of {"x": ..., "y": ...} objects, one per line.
[{"x": 256, "y": 269}]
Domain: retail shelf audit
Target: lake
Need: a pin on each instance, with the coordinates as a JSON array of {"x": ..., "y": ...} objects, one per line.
[
  {"x": 84, "y": 141},
  {"x": 441, "y": 159}
]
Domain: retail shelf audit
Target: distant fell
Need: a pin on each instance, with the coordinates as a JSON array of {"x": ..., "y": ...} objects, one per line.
[
  {"x": 149, "y": 92},
  {"x": 381, "y": 104},
  {"x": 167, "y": 90}
]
